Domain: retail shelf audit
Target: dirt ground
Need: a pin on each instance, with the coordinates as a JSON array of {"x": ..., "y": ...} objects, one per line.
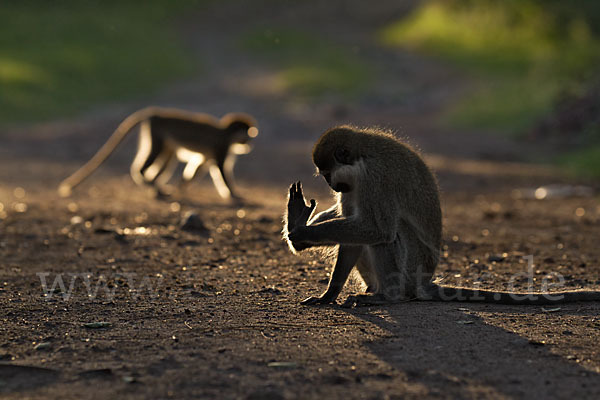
[{"x": 149, "y": 310}]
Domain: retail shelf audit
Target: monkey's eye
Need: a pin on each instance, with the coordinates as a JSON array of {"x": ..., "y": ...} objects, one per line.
[{"x": 342, "y": 156}]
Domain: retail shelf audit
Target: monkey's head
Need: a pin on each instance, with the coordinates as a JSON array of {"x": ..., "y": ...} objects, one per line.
[
  {"x": 242, "y": 127},
  {"x": 336, "y": 155}
]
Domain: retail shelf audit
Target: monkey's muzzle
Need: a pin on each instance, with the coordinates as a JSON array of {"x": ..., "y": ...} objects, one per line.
[{"x": 341, "y": 187}]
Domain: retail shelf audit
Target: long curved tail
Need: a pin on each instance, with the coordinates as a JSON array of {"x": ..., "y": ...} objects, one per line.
[
  {"x": 446, "y": 293},
  {"x": 65, "y": 187}
]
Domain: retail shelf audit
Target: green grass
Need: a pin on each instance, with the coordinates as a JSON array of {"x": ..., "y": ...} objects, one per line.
[
  {"x": 585, "y": 162},
  {"x": 508, "y": 105},
  {"x": 309, "y": 65},
  {"x": 62, "y": 57},
  {"x": 521, "y": 53}
]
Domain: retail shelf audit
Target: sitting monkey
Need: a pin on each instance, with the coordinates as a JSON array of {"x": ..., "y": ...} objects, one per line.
[
  {"x": 169, "y": 135},
  {"x": 386, "y": 222}
]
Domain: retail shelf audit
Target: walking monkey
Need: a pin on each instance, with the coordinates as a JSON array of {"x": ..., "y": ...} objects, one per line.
[
  {"x": 387, "y": 222},
  {"x": 168, "y": 136}
]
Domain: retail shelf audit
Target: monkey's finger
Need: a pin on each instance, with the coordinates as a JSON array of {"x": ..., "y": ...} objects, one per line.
[
  {"x": 305, "y": 215},
  {"x": 296, "y": 193},
  {"x": 292, "y": 190}
]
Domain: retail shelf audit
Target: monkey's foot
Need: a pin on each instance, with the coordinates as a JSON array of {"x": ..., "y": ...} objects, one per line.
[
  {"x": 237, "y": 200},
  {"x": 316, "y": 300},
  {"x": 363, "y": 300},
  {"x": 163, "y": 192},
  {"x": 160, "y": 194}
]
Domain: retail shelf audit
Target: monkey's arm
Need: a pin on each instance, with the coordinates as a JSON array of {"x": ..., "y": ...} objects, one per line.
[
  {"x": 326, "y": 215},
  {"x": 323, "y": 216},
  {"x": 346, "y": 259},
  {"x": 351, "y": 231},
  {"x": 298, "y": 212}
]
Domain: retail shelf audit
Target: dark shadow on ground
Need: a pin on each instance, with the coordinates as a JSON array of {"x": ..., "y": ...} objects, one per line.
[
  {"x": 22, "y": 378},
  {"x": 448, "y": 351}
]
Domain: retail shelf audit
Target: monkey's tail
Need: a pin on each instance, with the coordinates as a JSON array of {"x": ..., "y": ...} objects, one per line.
[
  {"x": 65, "y": 187},
  {"x": 446, "y": 293}
]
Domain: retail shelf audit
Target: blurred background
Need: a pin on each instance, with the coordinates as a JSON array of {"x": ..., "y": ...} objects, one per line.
[{"x": 474, "y": 84}]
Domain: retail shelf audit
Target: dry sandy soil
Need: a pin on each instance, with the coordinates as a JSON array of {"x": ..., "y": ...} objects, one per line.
[{"x": 149, "y": 310}]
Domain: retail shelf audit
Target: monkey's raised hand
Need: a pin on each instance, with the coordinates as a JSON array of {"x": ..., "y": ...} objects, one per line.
[{"x": 298, "y": 213}]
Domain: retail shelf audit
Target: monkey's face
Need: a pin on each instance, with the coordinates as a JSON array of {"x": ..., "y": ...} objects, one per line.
[
  {"x": 337, "y": 158},
  {"x": 340, "y": 179},
  {"x": 241, "y": 131},
  {"x": 339, "y": 170},
  {"x": 243, "y": 134},
  {"x": 241, "y": 127},
  {"x": 240, "y": 139}
]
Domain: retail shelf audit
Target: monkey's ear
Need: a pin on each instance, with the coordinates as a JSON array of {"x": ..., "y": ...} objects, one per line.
[{"x": 342, "y": 155}]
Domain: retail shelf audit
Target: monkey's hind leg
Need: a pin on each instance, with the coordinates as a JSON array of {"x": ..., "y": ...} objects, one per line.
[
  {"x": 149, "y": 150},
  {"x": 158, "y": 173},
  {"x": 386, "y": 276},
  {"x": 364, "y": 300},
  {"x": 367, "y": 271},
  {"x": 162, "y": 179},
  {"x": 143, "y": 152}
]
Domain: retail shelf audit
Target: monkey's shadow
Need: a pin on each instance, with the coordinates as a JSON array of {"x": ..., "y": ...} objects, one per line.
[
  {"x": 454, "y": 353},
  {"x": 185, "y": 201}
]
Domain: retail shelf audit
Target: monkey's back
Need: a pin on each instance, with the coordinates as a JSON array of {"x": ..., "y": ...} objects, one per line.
[
  {"x": 201, "y": 136},
  {"x": 418, "y": 190},
  {"x": 402, "y": 177}
]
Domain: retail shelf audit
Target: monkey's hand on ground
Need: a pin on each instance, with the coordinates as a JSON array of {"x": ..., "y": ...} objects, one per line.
[
  {"x": 298, "y": 213},
  {"x": 325, "y": 298}
]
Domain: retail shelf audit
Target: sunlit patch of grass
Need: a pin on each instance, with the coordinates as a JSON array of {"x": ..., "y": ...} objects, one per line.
[
  {"x": 521, "y": 53},
  {"x": 309, "y": 65},
  {"x": 512, "y": 105},
  {"x": 21, "y": 72},
  {"x": 62, "y": 57}
]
